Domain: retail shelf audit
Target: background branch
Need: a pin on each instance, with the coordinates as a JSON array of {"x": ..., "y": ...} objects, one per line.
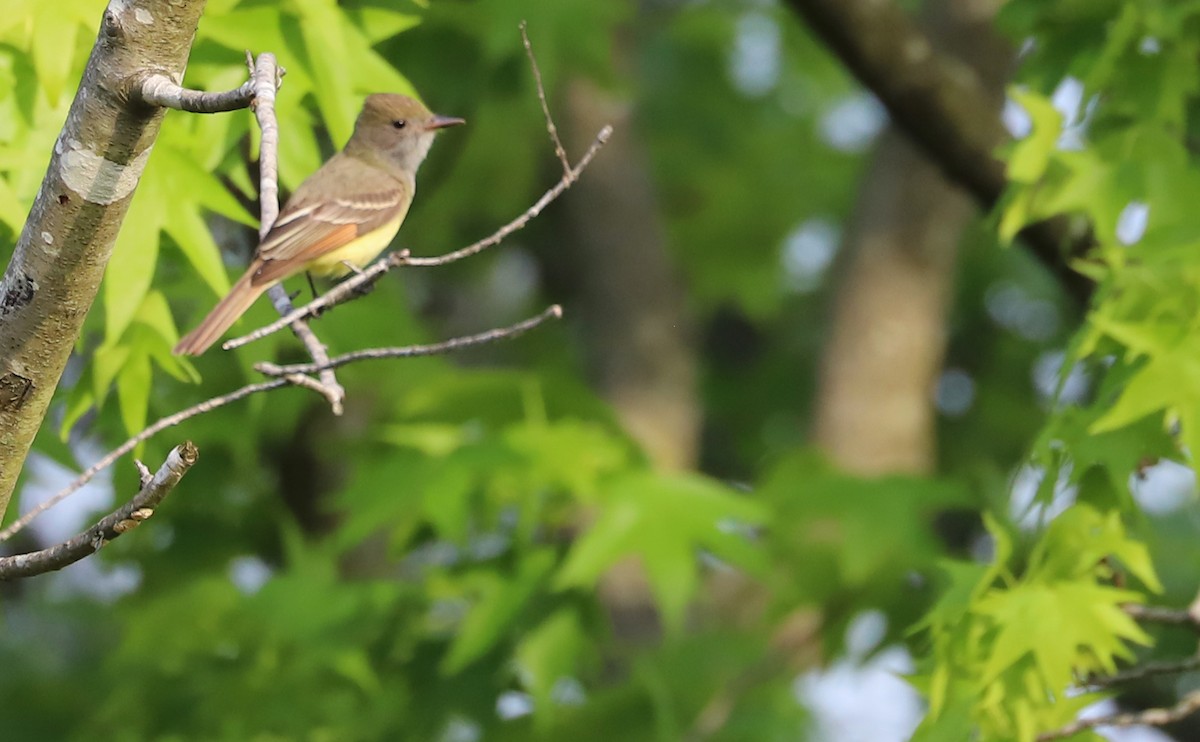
[
  {"x": 1164, "y": 616},
  {"x": 943, "y": 106},
  {"x": 122, "y": 520},
  {"x": 1143, "y": 671},
  {"x": 1187, "y": 706}
]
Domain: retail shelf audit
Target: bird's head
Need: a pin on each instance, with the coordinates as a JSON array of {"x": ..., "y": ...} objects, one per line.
[{"x": 396, "y": 130}]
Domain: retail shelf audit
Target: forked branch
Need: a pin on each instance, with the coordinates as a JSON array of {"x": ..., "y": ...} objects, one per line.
[{"x": 122, "y": 520}]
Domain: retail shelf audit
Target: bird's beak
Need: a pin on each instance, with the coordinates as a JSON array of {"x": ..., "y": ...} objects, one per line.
[{"x": 441, "y": 122}]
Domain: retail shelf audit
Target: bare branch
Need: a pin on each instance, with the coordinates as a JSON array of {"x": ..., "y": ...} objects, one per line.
[
  {"x": 498, "y": 236},
  {"x": 144, "y": 475},
  {"x": 291, "y": 375},
  {"x": 111, "y": 457},
  {"x": 122, "y": 520},
  {"x": 356, "y": 285},
  {"x": 1160, "y": 615},
  {"x": 266, "y": 82},
  {"x": 1187, "y": 706},
  {"x": 467, "y": 341},
  {"x": 551, "y": 129},
  {"x": 157, "y": 89},
  {"x": 1143, "y": 671}
]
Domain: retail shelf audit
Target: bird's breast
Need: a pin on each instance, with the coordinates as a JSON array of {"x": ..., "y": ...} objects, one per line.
[{"x": 358, "y": 252}]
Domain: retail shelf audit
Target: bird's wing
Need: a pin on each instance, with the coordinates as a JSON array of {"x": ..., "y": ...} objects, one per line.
[{"x": 315, "y": 223}]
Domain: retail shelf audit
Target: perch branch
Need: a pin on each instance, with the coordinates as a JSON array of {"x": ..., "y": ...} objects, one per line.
[
  {"x": 355, "y": 286},
  {"x": 289, "y": 376},
  {"x": 122, "y": 520},
  {"x": 467, "y": 341}
]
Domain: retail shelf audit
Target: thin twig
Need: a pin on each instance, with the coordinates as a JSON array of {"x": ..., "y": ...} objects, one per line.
[
  {"x": 122, "y": 520},
  {"x": 157, "y": 89},
  {"x": 1143, "y": 671},
  {"x": 1165, "y": 616},
  {"x": 354, "y": 286},
  {"x": 144, "y": 473},
  {"x": 266, "y": 82},
  {"x": 410, "y": 351},
  {"x": 111, "y": 457},
  {"x": 1157, "y": 717},
  {"x": 567, "y": 181},
  {"x": 559, "y": 150}
]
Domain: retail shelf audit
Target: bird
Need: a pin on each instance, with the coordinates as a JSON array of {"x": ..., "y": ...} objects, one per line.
[{"x": 343, "y": 215}]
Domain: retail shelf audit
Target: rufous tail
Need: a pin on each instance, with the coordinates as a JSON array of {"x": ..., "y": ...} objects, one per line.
[{"x": 222, "y": 317}]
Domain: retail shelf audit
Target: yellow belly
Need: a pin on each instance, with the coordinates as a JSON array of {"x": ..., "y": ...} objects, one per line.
[{"x": 358, "y": 252}]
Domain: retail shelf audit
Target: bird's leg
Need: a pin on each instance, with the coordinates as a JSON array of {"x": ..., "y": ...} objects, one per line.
[
  {"x": 312, "y": 286},
  {"x": 363, "y": 289}
]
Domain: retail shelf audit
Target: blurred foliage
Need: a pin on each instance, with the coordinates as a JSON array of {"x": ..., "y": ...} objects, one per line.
[{"x": 430, "y": 566}]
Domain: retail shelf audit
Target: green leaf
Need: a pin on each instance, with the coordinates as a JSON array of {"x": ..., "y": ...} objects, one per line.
[
  {"x": 549, "y": 653},
  {"x": 378, "y": 24},
  {"x": 1031, "y": 155},
  {"x": 432, "y": 439},
  {"x": 502, "y": 599},
  {"x": 133, "y": 389},
  {"x": 13, "y": 209},
  {"x": 131, "y": 268},
  {"x": 666, "y": 520},
  {"x": 107, "y": 362},
  {"x": 53, "y": 46},
  {"x": 1066, "y": 627},
  {"x": 324, "y": 38},
  {"x": 190, "y": 233}
]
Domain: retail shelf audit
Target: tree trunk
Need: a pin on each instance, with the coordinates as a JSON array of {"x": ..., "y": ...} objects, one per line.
[
  {"x": 639, "y": 335},
  {"x": 875, "y": 411},
  {"x": 59, "y": 260}
]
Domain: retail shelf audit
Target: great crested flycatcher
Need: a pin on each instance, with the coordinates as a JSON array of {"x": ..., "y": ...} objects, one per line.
[{"x": 343, "y": 215}]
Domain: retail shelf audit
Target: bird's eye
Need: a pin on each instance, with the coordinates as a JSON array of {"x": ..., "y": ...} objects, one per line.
[{"x": 399, "y": 123}]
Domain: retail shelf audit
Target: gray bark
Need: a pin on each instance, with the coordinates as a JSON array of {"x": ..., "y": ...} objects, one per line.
[{"x": 59, "y": 260}]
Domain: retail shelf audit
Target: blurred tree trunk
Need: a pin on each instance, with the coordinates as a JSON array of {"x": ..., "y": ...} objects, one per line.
[
  {"x": 638, "y": 332},
  {"x": 639, "y": 335},
  {"x": 874, "y": 411}
]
